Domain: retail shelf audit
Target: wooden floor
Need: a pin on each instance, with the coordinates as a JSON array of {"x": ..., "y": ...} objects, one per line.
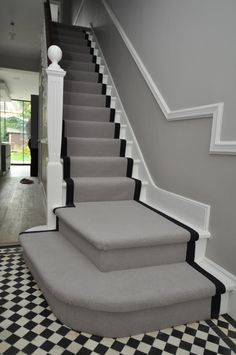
[{"x": 21, "y": 206}]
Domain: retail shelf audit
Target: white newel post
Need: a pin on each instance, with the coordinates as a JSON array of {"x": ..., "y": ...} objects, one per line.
[{"x": 55, "y": 82}]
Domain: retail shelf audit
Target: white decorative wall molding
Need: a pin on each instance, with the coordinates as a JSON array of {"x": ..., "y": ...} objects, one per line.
[
  {"x": 55, "y": 83},
  {"x": 214, "y": 111},
  {"x": 193, "y": 213},
  {"x": 78, "y": 12}
]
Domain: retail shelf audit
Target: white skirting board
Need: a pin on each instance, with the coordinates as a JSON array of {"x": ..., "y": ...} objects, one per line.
[{"x": 44, "y": 197}]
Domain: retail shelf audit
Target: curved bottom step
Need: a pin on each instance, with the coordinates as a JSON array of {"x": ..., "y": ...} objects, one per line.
[{"x": 118, "y": 303}]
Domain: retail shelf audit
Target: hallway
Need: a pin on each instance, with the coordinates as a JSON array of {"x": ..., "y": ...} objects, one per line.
[{"x": 21, "y": 205}]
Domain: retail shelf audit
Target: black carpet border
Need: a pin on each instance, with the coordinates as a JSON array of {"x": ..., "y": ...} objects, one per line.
[{"x": 194, "y": 236}]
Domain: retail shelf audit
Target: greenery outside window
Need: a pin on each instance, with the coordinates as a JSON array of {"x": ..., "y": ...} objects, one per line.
[{"x": 15, "y": 129}]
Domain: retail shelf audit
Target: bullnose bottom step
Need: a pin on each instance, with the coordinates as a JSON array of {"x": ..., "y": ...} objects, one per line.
[{"x": 119, "y": 303}]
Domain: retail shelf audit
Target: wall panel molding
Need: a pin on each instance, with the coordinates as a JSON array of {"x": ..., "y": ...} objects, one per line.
[{"x": 214, "y": 111}]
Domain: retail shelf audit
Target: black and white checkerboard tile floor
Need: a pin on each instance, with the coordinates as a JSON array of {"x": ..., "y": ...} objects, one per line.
[{"x": 27, "y": 325}]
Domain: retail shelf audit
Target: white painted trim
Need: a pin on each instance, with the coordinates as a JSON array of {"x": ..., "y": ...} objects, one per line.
[
  {"x": 78, "y": 12},
  {"x": 232, "y": 305},
  {"x": 44, "y": 197},
  {"x": 38, "y": 228},
  {"x": 190, "y": 212},
  {"x": 220, "y": 273},
  {"x": 215, "y": 111}
]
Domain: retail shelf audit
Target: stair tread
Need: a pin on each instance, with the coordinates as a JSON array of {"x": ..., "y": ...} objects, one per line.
[
  {"x": 121, "y": 224},
  {"x": 80, "y": 71},
  {"x": 88, "y": 108},
  {"x": 77, "y": 65},
  {"x": 83, "y": 94},
  {"x": 87, "y": 113},
  {"x": 82, "y": 284}
]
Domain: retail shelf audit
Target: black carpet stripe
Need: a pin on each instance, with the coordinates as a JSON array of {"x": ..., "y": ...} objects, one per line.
[
  {"x": 220, "y": 289},
  {"x": 194, "y": 236},
  {"x": 108, "y": 101},
  {"x": 104, "y": 89},
  {"x": 137, "y": 190},
  {"x": 64, "y": 147},
  {"x": 122, "y": 147},
  {"x": 112, "y": 114},
  {"x": 69, "y": 191},
  {"x": 66, "y": 167},
  {"x": 130, "y": 163},
  {"x": 117, "y": 131}
]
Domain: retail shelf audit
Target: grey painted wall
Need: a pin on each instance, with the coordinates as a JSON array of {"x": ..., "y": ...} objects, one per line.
[
  {"x": 75, "y": 5},
  {"x": 66, "y": 8},
  {"x": 189, "y": 48},
  {"x": 176, "y": 153}
]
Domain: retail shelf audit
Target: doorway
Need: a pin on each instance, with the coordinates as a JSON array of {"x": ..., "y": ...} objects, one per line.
[{"x": 15, "y": 120}]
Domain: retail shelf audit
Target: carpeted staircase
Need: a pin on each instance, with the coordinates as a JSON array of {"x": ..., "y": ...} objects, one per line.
[{"x": 114, "y": 266}]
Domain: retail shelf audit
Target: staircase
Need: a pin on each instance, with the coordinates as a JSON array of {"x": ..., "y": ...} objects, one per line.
[{"x": 114, "y": 266}]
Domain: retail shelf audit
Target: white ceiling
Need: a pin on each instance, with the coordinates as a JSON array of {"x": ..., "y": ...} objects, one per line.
[
  {"x": 27, "y": 16},
  {"x": 21, "y": 84},
  {"x": 22, "y": 52}
]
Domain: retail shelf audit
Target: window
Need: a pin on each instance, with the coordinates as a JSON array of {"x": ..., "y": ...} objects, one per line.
[{"x": 15, "y": 118}]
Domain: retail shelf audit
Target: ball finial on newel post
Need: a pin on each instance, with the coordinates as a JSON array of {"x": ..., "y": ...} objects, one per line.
[{"x": 55, "y": 55}]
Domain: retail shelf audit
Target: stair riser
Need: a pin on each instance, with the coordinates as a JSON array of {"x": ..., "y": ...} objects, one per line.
[
  {"x": 71, "y": 65},
  {"x": 62, "y": 28},
  {"x": 85, "y": 100},
  {"x": 85, "y": 168},
  {"x": 85, "y": 191},
  {"x": 84, "y": 114},
  {"x": 69, "y": 35},
  {"x": 83, "y": 87},
  {"x": 76, "y": 49},
  {"x": 129, "y": 258},
  {"x": 78, "y": 42},
  {"x": 82, "y": 76},
  {"x": 77, "y": 129},
  {"x": 70, "y": 38},
  {"x": 84, "y": 148},
  {"x": 82, "y": 57}
]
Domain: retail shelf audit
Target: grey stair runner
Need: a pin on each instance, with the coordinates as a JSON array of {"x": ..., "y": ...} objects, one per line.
[
  {"x": 98, "y": 166},
  {"x": 82, "y": 87},
  {"x": 114, "y": 266},
  {"x": 93, "y": 146},
  {"x": 85, "y": 99},
  {"x": 118, "y": 303},
  {"x": 98, "y": 114},
  {"x": 103, "y": 189},
  {"x": 88, "y": 129},
  {"x": 96, "y": 229},
  {"x": 76, "y": 65}
]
